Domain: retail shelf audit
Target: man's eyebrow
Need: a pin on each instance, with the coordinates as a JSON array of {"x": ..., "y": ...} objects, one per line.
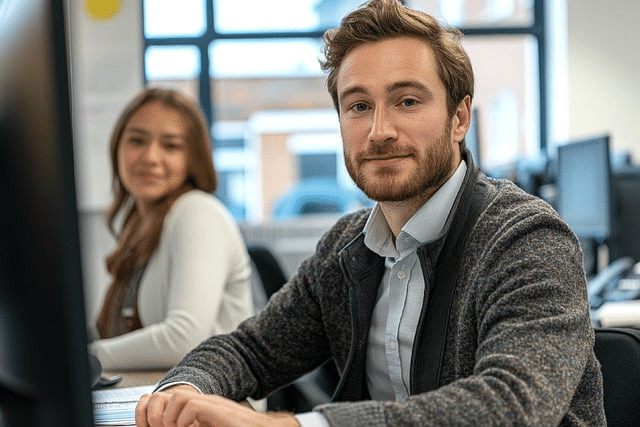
[
  {"x": 415, "y": 84},
  {"x": 403, "y": 84},
  {"x": 352, "y": 90}
]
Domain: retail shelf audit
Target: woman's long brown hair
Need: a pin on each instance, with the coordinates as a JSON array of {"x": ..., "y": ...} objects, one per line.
[{"x": 137, "y": 240}]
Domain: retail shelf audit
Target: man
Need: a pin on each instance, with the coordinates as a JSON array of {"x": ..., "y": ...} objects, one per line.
[{"x": 456, "y": 300}]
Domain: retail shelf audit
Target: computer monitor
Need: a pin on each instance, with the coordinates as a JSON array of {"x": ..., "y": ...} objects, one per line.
[
  {"x": 625, "y": 233},
  {"x": 584, "y": 187},
  {"x": 44, "y": 365}
]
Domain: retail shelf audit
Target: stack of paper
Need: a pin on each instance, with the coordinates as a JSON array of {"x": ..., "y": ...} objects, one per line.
[{"x": 117, "y": 407}]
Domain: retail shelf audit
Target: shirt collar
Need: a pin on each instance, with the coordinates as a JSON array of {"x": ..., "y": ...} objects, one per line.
[{"x": 423, "y": 227}]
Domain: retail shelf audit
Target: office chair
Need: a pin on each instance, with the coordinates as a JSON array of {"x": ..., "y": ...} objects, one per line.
[
  {"x": 618, "y": 350},
  {"x": 268, "y": 269},
  {"x": 317, "y": 386}
]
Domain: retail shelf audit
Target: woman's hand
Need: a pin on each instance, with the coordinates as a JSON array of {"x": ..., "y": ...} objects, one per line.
[{"x": 186, "y": 407}]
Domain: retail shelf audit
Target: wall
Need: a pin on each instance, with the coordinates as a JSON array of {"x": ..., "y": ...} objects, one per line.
[
  {"x": 106, "y": 71},
  {"x": 604, "y": 71}
]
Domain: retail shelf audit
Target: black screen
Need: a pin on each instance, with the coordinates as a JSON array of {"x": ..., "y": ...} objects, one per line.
[
  {"x": 44, "y": 367},
  {"x": 625, "y": 236},
  {"x": 584, "y": 187}
]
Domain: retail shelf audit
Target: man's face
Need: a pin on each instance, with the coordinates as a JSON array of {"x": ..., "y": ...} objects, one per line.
[{"x": 399, "y": 143}]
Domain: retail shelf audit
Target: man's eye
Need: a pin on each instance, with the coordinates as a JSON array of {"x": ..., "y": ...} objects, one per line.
[
  {"x": 409, "y": 102},
  {"x": 136, "y": 141},
  {"x": 359, "y": 107}
]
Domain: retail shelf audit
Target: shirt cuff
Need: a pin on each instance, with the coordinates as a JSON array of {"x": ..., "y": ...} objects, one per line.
[
  {"x": 165, "y": 386},
  {"x": 312, "y": 419}
]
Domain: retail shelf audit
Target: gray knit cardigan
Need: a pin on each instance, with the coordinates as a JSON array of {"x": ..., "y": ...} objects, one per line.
[{"x": 518, "y": 345}]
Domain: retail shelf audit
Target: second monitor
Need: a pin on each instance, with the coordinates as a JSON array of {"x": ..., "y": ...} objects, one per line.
[{"x": 584, "y": 187}]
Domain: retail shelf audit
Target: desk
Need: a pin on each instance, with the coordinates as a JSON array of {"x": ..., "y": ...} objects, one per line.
[
  {"x": 619, "y": 314},
  {"x": 136, "y": 378}
]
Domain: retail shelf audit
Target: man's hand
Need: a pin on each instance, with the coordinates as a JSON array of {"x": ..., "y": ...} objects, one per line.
[{"x": 183, "y": 406}]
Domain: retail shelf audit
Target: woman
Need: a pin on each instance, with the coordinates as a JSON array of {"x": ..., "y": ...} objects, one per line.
[{"x": 181, "y": 272}]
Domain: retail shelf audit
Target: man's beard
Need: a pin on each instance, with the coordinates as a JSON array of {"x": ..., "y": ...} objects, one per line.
[{"x": 431, "y": 173}]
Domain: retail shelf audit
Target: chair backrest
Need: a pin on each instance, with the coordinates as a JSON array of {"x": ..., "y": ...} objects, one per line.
[
  {"x": 618, "y": 350},
  {"x": 271, "y": 274}
]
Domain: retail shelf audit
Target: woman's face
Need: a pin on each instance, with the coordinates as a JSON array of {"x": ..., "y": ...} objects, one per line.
[{"x": 153, "y": 154}]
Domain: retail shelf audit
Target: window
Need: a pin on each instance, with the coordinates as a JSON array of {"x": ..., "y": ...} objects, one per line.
[
  {"x": 253, "y": 66},
  {"x": 169, "y": 18}
]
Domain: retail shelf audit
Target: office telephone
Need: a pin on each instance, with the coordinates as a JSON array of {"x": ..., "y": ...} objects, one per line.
[{"x": 619, "y": 281}]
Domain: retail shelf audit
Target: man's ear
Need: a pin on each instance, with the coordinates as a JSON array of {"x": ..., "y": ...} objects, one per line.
[{"x": 461, "y": 119}]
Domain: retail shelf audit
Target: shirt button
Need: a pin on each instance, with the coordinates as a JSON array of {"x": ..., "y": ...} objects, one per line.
[
  {"x": 401, "y": 274},
  {"x": 393, "y": 345}
]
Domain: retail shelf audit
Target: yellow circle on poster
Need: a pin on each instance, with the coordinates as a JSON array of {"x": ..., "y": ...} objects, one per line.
[{"x": 102, "y": 9}]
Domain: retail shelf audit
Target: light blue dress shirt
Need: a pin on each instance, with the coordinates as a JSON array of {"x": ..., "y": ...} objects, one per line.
[{"x": 400, "y": 295}]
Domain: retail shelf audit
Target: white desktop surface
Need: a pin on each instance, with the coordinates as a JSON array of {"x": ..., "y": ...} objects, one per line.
[{"x": 620, "y": 313}]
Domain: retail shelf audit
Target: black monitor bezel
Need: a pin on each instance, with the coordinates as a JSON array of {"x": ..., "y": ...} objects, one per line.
[{"x": 44, "y": 367}]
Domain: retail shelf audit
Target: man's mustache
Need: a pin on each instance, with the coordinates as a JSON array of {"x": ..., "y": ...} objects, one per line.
[{"x": 386, "y": 150}]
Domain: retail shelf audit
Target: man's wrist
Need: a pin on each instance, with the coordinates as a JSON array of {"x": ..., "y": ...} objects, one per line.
[
  {"x": 289, "y": 418},
  {"x": 182, "y": 386}
]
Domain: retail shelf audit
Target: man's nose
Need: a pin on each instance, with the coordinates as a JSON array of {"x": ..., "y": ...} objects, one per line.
[{"x": 383, "y": 129}]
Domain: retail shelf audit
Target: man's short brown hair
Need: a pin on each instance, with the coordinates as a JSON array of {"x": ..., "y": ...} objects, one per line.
[{"x": 385, "y": 19}]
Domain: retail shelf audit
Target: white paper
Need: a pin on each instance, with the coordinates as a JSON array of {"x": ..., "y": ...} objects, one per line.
[{"x": 117, "y": 406}]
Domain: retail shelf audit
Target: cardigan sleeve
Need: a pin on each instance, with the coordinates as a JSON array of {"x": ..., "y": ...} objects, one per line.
[
  {"x": 284, "y": 340},
  {"x": 197, "y": 285}
]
